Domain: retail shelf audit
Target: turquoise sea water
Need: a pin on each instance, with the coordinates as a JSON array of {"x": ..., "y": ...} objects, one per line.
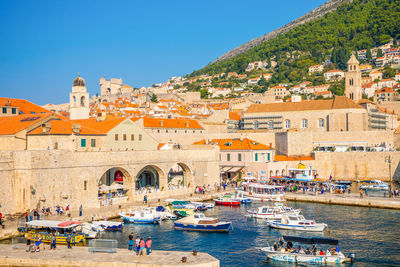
[{"x": 373, "y": 234}]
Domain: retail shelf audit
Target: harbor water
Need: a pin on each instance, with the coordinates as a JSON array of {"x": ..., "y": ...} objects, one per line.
[{"x": 373, "y": 234}]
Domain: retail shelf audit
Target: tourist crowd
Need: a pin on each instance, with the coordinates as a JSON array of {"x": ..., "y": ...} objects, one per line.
[{"x": 142, "y": 247}]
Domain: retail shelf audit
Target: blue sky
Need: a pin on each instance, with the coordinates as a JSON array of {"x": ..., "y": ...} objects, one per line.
[{"x": 44, "y": 44}]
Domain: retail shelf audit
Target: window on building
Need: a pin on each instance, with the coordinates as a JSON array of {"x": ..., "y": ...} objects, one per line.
[
  {"x": 93, "y": 142},
  {"x": 185, "y": 131},
  {"x": 175, "y": 131},
  {"x": 140, "y": 137},
  {"x": 85, "y": 185},
  {"x": 83, "y": 142},
  {"x": 4, "y": 110},
  {"x": 55, "y": 145},
  {"x": 255, "y": 157},
  {"x": 287, "y": 124},
  {"x": 255, "y": 124},
  {"x": 194, "y": 131},
  {"x": 271, "y": 125},
  {"x": 239, "y": 157},
  {"x": 268, "y": 156},
  {"x": 116, "y": 137},
  {"x": 166, "y": 131},
  {"x": 321, "y": 123},
  {"x": 132, "y": 137},
  {"x": 158, "y": 131},
  {"x": 304, "y": 123},
  {"x": 124, "y": 137},
  {"x": 228, "y": 157},
  {"x": 14, "y": 111}
]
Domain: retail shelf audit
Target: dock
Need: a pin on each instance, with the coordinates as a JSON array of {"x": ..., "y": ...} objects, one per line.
[{"x": 80, "y": 256}]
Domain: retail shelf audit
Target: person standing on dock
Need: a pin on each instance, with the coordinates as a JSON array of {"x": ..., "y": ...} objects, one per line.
[
  {"x": 80, "y": 210},
  {"x": 145, "y": 199},
  {"x": 53, "y": 242},
  {"x": 130, "y": 241},
  {"x": 142, "y": 245},
  {"x": 69, "y": 241},
  {"x": 137, "y": 244},
  {"x": 148, "y": 245}
]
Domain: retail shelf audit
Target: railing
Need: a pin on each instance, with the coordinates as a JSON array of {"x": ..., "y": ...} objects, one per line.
[
  {"x": 103, "y": 245},
  {"x": 18, "y": 242}
]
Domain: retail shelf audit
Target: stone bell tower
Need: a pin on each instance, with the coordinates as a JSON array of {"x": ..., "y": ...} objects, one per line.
[
  {"x": 79, "y": 100},
  {"x": 353, "y": 88}
]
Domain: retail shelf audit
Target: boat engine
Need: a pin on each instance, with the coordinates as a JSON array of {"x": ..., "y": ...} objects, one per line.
[{"x": 352, "y": 257}]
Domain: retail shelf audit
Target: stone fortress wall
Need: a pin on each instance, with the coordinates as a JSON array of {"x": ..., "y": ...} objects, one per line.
[{"x": 32, "y": 179}]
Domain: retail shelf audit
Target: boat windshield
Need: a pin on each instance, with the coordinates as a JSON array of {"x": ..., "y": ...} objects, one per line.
[{"x": 199, "y": 216}]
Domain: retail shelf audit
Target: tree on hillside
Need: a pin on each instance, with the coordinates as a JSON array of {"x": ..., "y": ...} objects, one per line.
[
  {"x": 388, "y": 72},
  {"x": 337, "y": 88},
  {"x": 154, "y": 98},
  {"x": 379, "y": 53},
  {"x": 339, "y": 57},
  {"x": 369, "y": 55}
]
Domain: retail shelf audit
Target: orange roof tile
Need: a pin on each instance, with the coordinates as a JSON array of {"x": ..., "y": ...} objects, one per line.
[
  {"x": 64, "y": 127},
  {"x": 101, "y": 126},
  {"x": 384, "y": 90},
  {"x": 236, "y": 144},
  {"x": 234, "y": 116},
  {"x": 339, "y": 102},
  {"x": 13, "y": 124},
  {"x": 25, "y": 106},
  {"x": 171, "y": 123}
]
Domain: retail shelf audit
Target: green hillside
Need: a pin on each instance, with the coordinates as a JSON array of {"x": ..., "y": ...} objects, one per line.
[{"x": 353, "y": 26}]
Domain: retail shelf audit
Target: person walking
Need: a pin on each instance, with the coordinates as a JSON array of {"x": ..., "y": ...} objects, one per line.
[
  {"x": 53, "y": 242},
  {"x": 80, "y": 210},
  {"x": 130, "y": 241},
  {"x": 1, "y": 219},
  {"x": 39, "y": 241},
  {"x": 69, "y": 241},
  {"x": 31, "y": 215},
  {"x": 148, "y": 246},
  {"x": 137, "y": 244},
  {"x": 26, "y": 216},
  {"x": 145, "y": 199},
  {"x": 67, "y": 210}
]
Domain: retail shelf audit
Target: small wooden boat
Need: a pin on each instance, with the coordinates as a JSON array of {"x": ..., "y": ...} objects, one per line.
[
  {"x": 288, "y": 253},
  {"x": 297, "y": 223},
  {"x": 199, "y": 222},
  {"x": 141, "y": 216},
  {"x": 46, "y": 228}
]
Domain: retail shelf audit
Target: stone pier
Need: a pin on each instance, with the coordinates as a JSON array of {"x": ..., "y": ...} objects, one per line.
[{"x": 80, "y": 256}]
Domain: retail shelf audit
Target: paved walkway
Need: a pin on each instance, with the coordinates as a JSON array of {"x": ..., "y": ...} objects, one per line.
[{"x": 80, "y": 256}]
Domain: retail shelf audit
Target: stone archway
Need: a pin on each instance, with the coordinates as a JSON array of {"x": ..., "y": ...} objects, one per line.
[
  {"x": 149, "y": 179},
  {"x": 179, "y": 176},
  {"x": 114, "y": 186}
]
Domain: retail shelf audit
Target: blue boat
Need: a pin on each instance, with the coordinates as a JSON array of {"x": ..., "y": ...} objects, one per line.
[{"x": 199, "y": 222}]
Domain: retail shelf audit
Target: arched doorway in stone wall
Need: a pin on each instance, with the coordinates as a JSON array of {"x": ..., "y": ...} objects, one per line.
[
  {"x": 179, "y": 176},
  {"x": 113, "y": 186},
  {"x": 148, "y": 179}
]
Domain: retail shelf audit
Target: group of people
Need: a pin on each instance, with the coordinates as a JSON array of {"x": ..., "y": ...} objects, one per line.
[
  {"x": 141, "y": 245},
  {"x": 35, "y": 214},
  {"x": 279, "y": 246},
  {"x": 202, "y": 189}
]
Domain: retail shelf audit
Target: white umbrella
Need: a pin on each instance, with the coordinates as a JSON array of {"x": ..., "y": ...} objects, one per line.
[
  {"x": 116, "y": 186},
  {"x": 104, "y": 188}
]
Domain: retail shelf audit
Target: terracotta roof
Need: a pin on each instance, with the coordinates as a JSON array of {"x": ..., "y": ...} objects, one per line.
[
  {"x": 234, "y": 116},
  {"x": 339, "y": 102},
  {"x": 24, "y": 106},
  {"x": 13, "y": 124},
  {"x": 64, "y": 127},
  {"x": 330, "y": 71},
  {"x": 236, "y": 144},
  {"x": 100, "y": 126},
  {"x": 170, "y": 123},
  {"x": 293, "y": 158},
  {"x": 384, "y": 90},
  {"x": 363, "y": 101}
]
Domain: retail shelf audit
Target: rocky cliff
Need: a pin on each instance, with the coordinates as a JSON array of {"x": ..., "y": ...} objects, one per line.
[{"x": 312, "y": 15}]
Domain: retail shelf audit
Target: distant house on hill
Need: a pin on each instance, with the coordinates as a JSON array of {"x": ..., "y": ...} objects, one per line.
[
  {"x": 316, "y": 68},
  {"x": 334, "y": 75}
]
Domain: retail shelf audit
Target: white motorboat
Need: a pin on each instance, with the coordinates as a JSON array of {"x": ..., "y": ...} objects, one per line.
[
  {"x": 161, "y": 212},
  {"x": 140, "y": 216},
  {"x": 199, "y": 222},
  {"x": 206, "y": 205},
  {"x": 271, "y": 212},
  {"x": 375, "y": 185},
  {"x": 297, "y": 223},
  {"x": 91, "y": 230},
  {"x": 289, "y": 254},
  {"x": 263, "y": 192}
]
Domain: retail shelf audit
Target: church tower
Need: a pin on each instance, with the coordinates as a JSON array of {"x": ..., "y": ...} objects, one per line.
[
  {"x": 353, "y": 80},
  {"x": 79, "y": 100}
]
